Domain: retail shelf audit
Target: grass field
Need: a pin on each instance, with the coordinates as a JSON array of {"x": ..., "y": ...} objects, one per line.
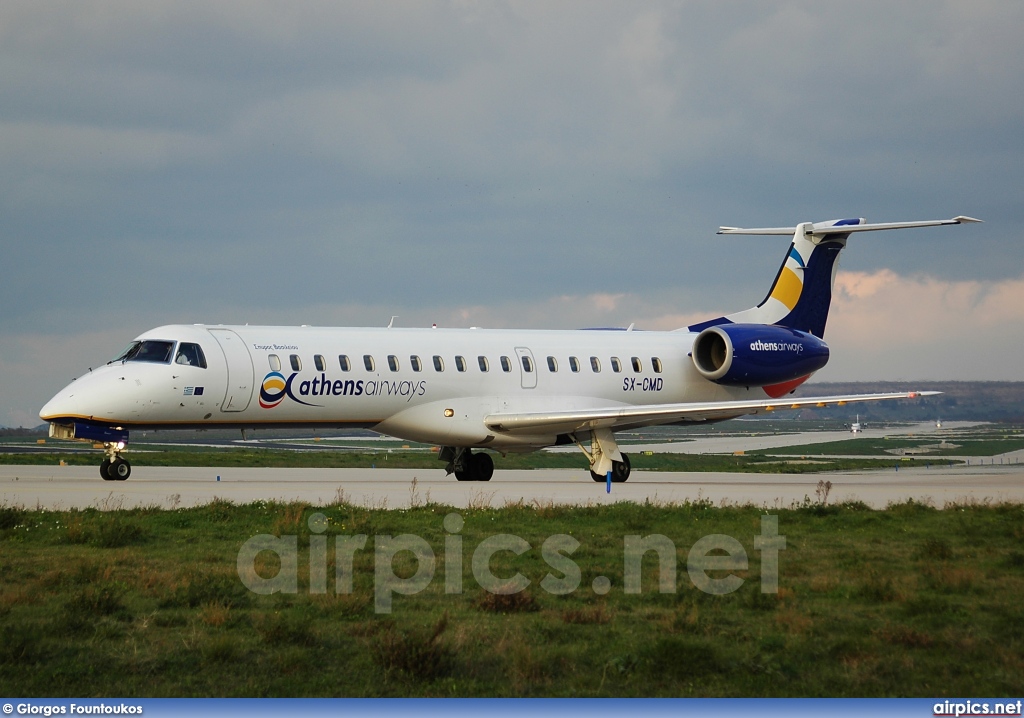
[
  {"x": 989, "y": 446},
  {"x": 910, "y": 601}
]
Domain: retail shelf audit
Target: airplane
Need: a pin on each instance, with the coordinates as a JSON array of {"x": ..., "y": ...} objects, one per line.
[
  {"x": 469, "y": 391},
  {"x": 856, "y": 427}
]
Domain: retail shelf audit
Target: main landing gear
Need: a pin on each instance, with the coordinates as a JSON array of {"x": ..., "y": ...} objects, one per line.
[
  {"x": 620, "y": 471},
  {"x": 466, "y": 465},
  {"x": 113, "y": 467},
  {"x": 604, "y": 456}
]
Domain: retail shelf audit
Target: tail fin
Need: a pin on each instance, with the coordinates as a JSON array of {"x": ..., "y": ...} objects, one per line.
[{"x": 802, "y": 292}]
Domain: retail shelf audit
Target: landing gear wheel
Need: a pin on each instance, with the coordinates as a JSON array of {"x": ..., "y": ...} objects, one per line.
[
  {"x": 620, "y": 470},
  {"x": 119, "y": 469},
  {"x": 463, "y": 476},
  {"x": 483, "y": 467},
  {"x": 105, "y": 470}
]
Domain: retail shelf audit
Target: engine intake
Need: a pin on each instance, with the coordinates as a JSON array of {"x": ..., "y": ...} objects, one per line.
[{"x": 756, "y": 354}]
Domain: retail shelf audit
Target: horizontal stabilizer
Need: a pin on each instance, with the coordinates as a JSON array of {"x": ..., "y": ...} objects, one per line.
[
  {"x": 826, "y": 228},
  {"x": 567, "y": 422}
]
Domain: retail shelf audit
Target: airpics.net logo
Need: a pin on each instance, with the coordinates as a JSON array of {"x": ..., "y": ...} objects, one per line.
[
  {"x": 712, "y": 554},
  {"x": 761, "y": 346},
  {"x": 276, "y": 388}
]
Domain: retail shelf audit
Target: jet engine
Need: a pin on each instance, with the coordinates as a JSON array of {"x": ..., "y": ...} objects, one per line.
[{"x": 756, "y": 354}]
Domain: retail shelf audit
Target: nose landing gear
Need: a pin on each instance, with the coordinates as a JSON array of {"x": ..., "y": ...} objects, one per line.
[{"x": 113, "y": 467}]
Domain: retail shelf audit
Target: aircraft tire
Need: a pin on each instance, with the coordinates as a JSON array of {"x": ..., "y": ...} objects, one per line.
[
  {"x": 120, "y": 469},
  {"x": 597, "y": 477},
  {"x": 463, "y": 476},
  {"x": 620, "y": 470},
  {"x": 483, "y": 467},
  {"x": 105, "y": 470}
]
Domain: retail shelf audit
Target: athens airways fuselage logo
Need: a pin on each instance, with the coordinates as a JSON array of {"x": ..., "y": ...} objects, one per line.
[{"x": 276, "y": 388}]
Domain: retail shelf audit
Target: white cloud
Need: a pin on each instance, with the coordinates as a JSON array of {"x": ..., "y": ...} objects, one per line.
[{"x": 884, "y": 325}]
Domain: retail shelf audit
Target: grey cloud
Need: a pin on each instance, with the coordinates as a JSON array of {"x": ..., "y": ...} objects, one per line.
[{"x": 226, "y": 155}]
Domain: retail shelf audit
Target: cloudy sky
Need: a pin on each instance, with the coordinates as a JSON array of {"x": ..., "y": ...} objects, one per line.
[{"x": 504, "y": 164}]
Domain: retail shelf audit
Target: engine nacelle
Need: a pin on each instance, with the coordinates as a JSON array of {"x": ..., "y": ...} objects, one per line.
[{"x": 756, "y": 354}]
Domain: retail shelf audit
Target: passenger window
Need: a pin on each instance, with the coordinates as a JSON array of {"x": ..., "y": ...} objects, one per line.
[
  {"x": 415, "y": 363},
  {"x": 506, "y": 365},
  {"x": 527, "y": 365},
  {"x": 368, "y": 362},
  {"x": 460, "y": 363},
  {"x": 344, "y": 363},
  {"x": 190, "y": 355},
  {"x": 637, "y": 366},
  {"x": 392, "y": 362},
  {"x": 574, "y": 364},
  {"x": 616, "y": 366},
  {"x": 552, "y": 364},
  {"x": 296, "y": 362},
  {"x": 275, "y": 362},
  {"x": 318, "y": 361},
  {"x": 595, "y": 364},
  {"x": 482, "y": 362},
  {"x": 438, "y": 363},
  {"x": 656, "y": 363}
]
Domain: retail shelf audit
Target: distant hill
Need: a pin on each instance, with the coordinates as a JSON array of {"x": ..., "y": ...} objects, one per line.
[{"x": 960, "y": 400}]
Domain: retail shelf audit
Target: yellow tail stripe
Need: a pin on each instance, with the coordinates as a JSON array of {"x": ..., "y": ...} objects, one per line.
[{"x": 787, "y": 289}]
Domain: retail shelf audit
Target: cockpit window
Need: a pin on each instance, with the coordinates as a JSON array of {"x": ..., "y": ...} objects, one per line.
[
  {"x": 149, "y": 350},
  {"x": 190, "y": 355}
]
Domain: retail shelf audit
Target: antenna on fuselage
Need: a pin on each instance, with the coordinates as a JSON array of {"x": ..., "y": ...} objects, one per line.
[{"x": 392, "y": 322}]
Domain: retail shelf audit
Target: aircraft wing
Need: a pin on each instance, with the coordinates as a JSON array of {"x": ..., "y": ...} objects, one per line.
[{"x": 565, "y": 422}]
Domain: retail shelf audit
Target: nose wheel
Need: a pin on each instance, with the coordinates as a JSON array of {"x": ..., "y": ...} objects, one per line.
[{"x": 114, "y": 468}]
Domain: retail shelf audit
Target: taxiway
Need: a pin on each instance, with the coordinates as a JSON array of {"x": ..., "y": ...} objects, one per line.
[{"x": 66, "y": 487}]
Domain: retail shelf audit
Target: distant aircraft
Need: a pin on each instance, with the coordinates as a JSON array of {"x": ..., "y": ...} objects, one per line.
[
  {"x": 856, "y": 427},
  {"x": 465, "y": 390}
]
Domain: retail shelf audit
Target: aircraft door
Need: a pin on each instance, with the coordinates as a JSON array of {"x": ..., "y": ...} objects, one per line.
[
  {"x": 240, "y": 370},
  {"x": 527, "y": 368}
]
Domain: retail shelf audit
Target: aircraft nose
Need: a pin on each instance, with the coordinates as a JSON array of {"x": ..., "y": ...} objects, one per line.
[{"x": 63, "y": 404}]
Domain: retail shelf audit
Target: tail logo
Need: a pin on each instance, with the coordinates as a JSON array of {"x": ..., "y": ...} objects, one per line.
[{"x": 790, "y": 282}]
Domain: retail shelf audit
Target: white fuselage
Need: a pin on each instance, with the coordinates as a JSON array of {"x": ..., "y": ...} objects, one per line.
[{"x": 296, "y": 377}]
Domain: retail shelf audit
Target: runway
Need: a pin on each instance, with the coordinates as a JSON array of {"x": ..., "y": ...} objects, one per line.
[{"x": 66, "y": 487}]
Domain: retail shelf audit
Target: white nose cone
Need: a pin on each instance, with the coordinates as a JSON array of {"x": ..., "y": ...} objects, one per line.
[{"x": 63, "y": 405}]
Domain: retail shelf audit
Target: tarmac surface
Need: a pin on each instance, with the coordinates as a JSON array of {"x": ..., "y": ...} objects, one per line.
[
  {"x": 988, "y": 479},
  {"x": 65, "y": 487}
]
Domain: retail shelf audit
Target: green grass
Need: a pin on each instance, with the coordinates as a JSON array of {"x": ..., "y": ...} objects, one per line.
[
  {"x": 147, "y": 602},
  {"x": 882, "y": 446}
]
